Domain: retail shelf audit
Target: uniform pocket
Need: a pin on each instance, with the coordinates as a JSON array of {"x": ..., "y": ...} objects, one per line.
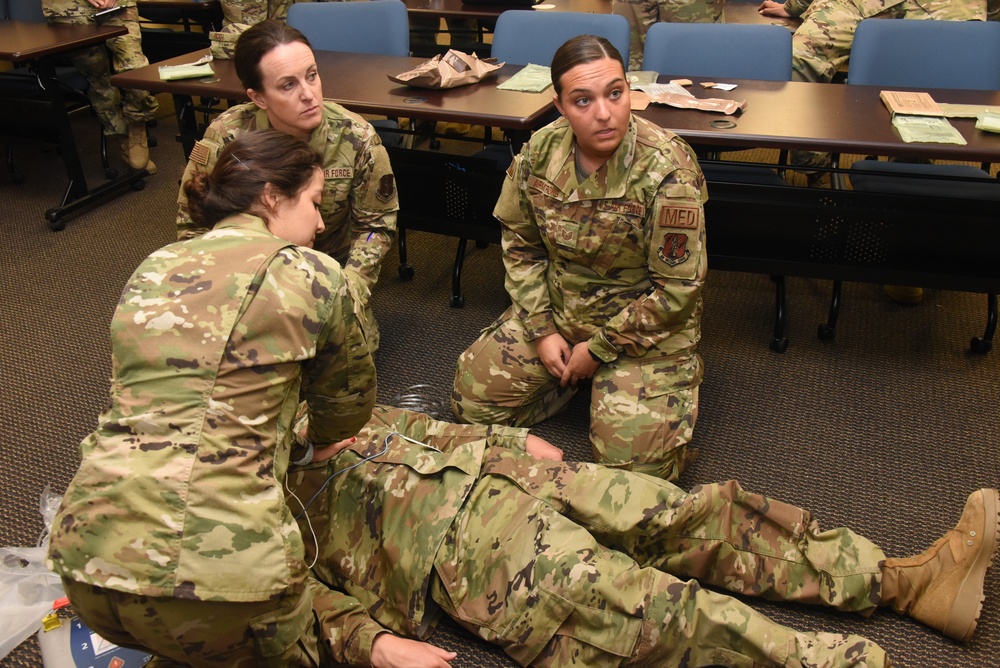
[
  {"x": 667, "y": 375},
  {"x": 284, "y": 636}
]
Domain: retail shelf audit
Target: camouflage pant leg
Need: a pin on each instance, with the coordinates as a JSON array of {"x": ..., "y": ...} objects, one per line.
[
  {"x": 94, "y": 65},
  {"x": 822, "y": 44},
  {"x": 138, "y": 106},
  {"x": 205, "y": 633},
  {"x": 501, "y": 380},
  {"x": 719, "y": 533},
  {"x": 639, "y": 419},
  {"x": 551, "y": 593},
  {"x": 641, "y": 14}
]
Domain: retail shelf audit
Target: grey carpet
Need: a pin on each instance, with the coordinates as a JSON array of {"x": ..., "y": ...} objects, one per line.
[{"x": 886, "y": 429}]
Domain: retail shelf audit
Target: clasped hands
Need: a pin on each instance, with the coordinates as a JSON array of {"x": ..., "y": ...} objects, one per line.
[{"x": 569, "y": 364}]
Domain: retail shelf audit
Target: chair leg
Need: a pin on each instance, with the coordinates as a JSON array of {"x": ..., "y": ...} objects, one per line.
[
  {"x": 828, "y": 330},
  {"x": 984, "y": 344},
  {"x": 779, "y": 343},
  {"x": 405, "y": 270},
  {"x": 109, "y": 171},
  {"x": 457, "y": 299},
  {"x": 16, "y": 177}
]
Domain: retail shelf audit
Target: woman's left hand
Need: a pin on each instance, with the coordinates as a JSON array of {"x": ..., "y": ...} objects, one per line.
[{"x": 580, "y": 365}]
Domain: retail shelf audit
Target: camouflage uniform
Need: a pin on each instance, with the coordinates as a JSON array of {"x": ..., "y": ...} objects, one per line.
[
  {"x": 92, "y": 62},
  {"x": 569, "y": 564},
  {"x": 642, "y": 14},
  {"x": 618, "y": 261},
  {"x": 178, "y": 500},
  {"x": 249, "y": 12},
  {"x": 359, "y": 197},
  {"x": 822, "y": 44}
]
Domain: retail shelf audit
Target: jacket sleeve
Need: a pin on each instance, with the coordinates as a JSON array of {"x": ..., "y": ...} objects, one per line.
[
  {"x": 339, "y": 382},
  {"x": 525, "y": 256},
  {"x": 374, "y": 206},
  {"x": 797, "y": 7},
  {"x": 202, "y": 160},
  {"x": 677, "y": 264},
  {"x": 351, "y": 629},
  {"x": 443, "y": 436}
]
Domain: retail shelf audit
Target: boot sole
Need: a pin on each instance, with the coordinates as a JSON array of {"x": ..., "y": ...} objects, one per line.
[{"x": 969, "y": 602}]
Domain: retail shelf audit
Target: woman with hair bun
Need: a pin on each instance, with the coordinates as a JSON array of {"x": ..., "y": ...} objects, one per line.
[
  {"x": 174, "y": 536},
  {"x": 603, "y": 224}
]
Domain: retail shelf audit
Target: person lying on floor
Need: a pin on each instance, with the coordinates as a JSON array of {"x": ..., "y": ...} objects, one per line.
[{"x": 579, "y": 564}]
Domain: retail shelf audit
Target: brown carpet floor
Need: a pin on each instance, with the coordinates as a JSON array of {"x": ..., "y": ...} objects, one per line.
[{"x": 885, "y": 429}]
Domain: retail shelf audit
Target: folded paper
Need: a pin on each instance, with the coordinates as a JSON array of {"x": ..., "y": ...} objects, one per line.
[{"x": 450, "y": 70}]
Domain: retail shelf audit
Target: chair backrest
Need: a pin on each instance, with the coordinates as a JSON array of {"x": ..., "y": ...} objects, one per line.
[
  {"x": 29, "y": 11},
  {"x": 526, "y": 36},
  {"x": 374, "y": 26},
  {"x": 740, "y": 51},
  {"x": 926, "y": 54}
]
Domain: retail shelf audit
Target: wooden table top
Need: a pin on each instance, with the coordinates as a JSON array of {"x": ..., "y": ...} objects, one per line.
[
  {"x": 821, "y": 117},
  {"x": 21, "y": 41},
  {"x": 360, "y": 83}
]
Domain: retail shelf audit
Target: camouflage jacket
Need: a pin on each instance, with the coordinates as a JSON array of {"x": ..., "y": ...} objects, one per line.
[
  {"x": 80, "y": 8},
  {"x": 359, "y": 199},
  {"x": 619, "y": 259},
  {"x": 214, "y": 341},
  {"x": 381, "y": 509},
  {"x": 942, "y": 10}
]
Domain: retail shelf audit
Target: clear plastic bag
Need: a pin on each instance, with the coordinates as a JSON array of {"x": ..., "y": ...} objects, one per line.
[{"x": 27, "y": 587}]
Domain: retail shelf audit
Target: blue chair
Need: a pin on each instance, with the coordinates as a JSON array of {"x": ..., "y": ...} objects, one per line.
[
  {"x": 925, "y": 54},
  {"x": 376, "y": 26},
  {"x": 728, "y": 50},
  {"x": 523, "y": 37},
  {"x": 732, "y": 50}
]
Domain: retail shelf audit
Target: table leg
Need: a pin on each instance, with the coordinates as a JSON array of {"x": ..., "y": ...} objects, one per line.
[{"x": 78, "y": 196}]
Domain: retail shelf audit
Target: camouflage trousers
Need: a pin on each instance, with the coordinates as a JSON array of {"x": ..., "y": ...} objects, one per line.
[
  {"x": 566, "y": 564},
  {"x": 821, "y": 46},
  {"x": 642, "y": 411},
  {"x": 178, "y": 632},
  {"x": 642, "y": 14},
  {"x": 114, "y": 112}
]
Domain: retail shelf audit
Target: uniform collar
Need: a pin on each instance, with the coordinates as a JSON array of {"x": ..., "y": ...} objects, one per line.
[
  {"x": 244, "y": 222},
  {"x": 318, "y": 137},
  {"x": 609, "y": 181}
]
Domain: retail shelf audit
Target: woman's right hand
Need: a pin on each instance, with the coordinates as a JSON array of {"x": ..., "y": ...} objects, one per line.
[
  {"x": 389, "y": 651},
  {"x": 554, "y": 352},
  {"x": 326, "y": 452},
  {"x": 772, "y": 8}
]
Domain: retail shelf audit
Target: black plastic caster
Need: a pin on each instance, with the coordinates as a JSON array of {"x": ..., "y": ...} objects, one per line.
[
  {"x": 139, "y": 185},
  {"x": 980, "y": 346},
  {"x": 825, "y": 332},
  {"x": 110, "y": 173},
  {"x": 778, "y": 345},
  {"x": 457, "y": 301},
  {"x": 405, "y": 272},
  {"x": 57, "y": 225}
]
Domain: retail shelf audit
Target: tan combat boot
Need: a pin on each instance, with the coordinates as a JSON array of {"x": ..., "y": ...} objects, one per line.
[
  {"x": 135, "y": 149},
  {"x": 943, "y": 586}
]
